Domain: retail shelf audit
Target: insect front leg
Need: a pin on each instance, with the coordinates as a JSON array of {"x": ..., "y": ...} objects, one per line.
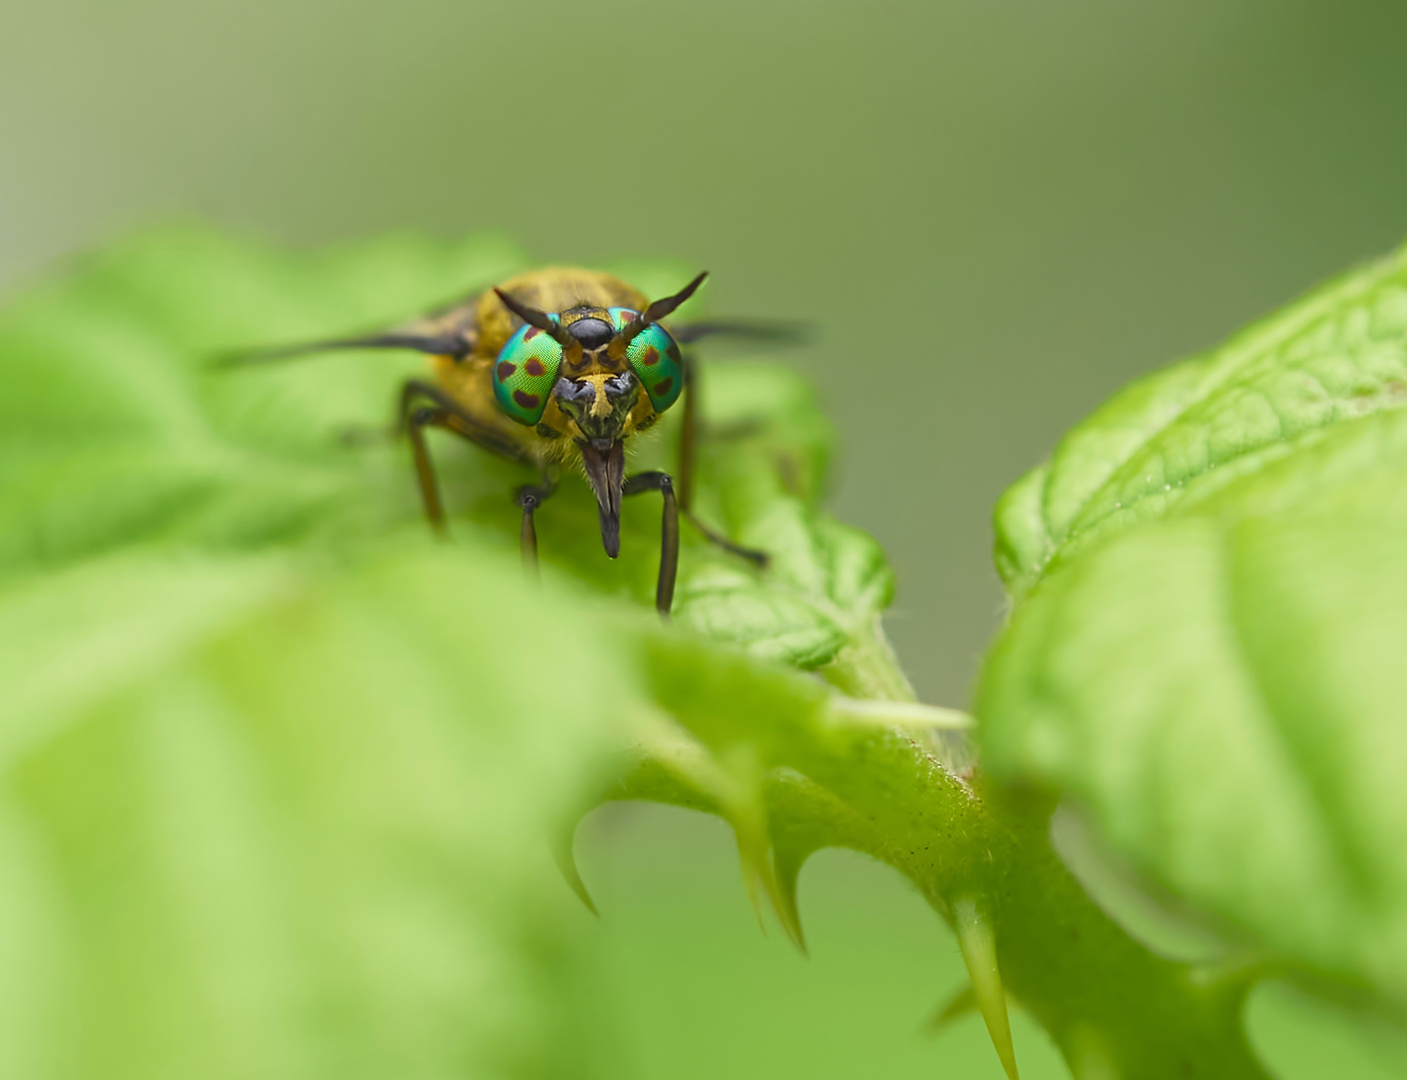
[
  {"x": 416, "y": 421},
  {"x": 669, "y": 533},
  {"x": 530, "y": 498},
  {"x": 442, "y": 411}
]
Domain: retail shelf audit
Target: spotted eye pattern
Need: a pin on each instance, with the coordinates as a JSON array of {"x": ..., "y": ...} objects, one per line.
[
  {"x": 654, "y": 357},
  {"x": 526, "y": 372}
]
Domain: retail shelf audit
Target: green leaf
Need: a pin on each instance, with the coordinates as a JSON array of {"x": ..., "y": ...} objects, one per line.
[
  {"x": 327, "y": 755},
  {"x": 282, "y": 782},
  {"x": 268, "y": 816},
  {"x": 1337, "y": 355},
  {"x": 1214, "y": 573},
  {"x": 116, "y": 427}
]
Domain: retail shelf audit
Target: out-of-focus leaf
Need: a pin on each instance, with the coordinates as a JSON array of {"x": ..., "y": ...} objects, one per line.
[
  {"x": 281, "y": 781},
  {"x": 1214, "y": 573},
  {"x": 278, "y": 773},
  {"x": 283, "y": 817},
  {"x": 116, "y": 428}
]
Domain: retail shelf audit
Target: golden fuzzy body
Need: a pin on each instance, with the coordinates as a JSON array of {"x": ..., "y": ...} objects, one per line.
[
  {"x": 555, "y": 366},
  {"x": 485, "y": 325}
]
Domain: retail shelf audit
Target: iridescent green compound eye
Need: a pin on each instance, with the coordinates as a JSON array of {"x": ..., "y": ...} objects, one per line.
[
  {"x": 526, "y": 372},
  {"x": 654, "y": 357}
]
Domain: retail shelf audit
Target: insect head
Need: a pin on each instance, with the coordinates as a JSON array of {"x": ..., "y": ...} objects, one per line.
[{"x": 608, "y": 353}]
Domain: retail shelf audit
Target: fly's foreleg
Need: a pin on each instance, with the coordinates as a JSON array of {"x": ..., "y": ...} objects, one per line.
[
  {"x": 669, "y": 534},
  {"x": 530, "y": 498},
  {"x": 416, "y": 421},
  {"x": 424, "y": 405}
]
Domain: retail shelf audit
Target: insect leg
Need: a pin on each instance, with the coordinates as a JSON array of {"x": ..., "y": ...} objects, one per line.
[
  {"x": 459, "y": 421},
  {"x": 758, "y": 558},
  {"x": 530, "y": 498},
  {"x": 416, "y": 423},
  {"x": 688, "y": 438},
  {"x": 443, "y": 413},
  {"x": 669, "y": 533}
]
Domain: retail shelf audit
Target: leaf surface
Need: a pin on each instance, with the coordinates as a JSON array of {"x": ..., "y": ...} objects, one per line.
[
  {"x": 277, "y": 772},
  {"x": 282, "y": 781},
  {"x": 1211, "y": 577}
]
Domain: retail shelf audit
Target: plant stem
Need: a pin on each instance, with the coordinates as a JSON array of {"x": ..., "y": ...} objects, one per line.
[
  {"x": 1116, "y": 1010},
  {"x": 867, "y": 667}
]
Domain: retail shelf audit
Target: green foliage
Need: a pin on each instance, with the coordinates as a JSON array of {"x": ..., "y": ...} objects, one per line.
[
  {"x": 280, "y": 772},
  {"x": 281, "y": 779},
  {"x": 1212, "y": 605},
  {"x": 1336, "y": 356},
  {"x": 252, "y": 828}
]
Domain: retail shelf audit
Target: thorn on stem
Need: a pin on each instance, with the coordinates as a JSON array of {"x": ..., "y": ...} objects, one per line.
[
  {"x": 565, "y": 859},
  {"x": 960, "y": 1004},
  {"x": 763, "y": 876},
  {"x": 786, "y": 870},
  {"x": 978, "y": 943}
]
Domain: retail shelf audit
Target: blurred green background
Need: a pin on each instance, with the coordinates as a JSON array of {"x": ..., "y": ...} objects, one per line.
[{"x": 997, "y": 212}]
